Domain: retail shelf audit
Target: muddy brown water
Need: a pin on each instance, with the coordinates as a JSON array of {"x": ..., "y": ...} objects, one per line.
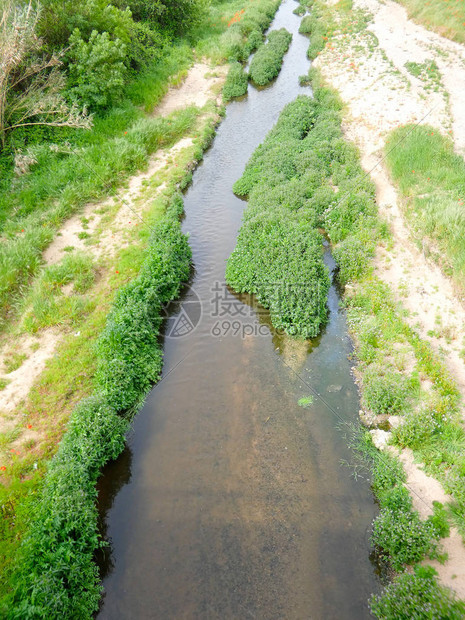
[{"x": 230, "y": 500}]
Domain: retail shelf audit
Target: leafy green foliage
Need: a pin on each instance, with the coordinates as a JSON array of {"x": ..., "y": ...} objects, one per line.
[
  {"x": 418, "y": 596},
  {"x": 236, "y": 82},
  {"x": 175, "y": 16},
  {"x": 57, "y": 577},
  {"x": 96, "y": 69},
  {"x": 290, "y": 182},
  {"x": 266, "y": 63},
  {"x": 129, "y": 355},
  {"x": 403, "y": 537}
]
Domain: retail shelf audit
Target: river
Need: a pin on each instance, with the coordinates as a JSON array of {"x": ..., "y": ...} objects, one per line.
[{"x": 231, "y": 499}]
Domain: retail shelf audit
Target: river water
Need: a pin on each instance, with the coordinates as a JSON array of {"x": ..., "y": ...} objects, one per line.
[{"x": 231, "y": 500}]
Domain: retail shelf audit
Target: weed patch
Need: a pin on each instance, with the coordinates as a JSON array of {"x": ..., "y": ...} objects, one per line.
[
  {"x": 236, "y": 83},
  {"x": 417, "y": 595},
  {"x": 267, "y": 61},
  {"x": 303, "y": 178}
]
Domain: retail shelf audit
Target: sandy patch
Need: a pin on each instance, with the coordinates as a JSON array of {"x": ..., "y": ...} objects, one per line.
[
  {"x": 38, "y": 350},
  {"x": 197, "y": 89}
]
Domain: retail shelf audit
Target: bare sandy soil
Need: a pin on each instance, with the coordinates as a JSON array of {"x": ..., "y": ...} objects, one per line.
[
  {"x": 107, "y": 222},
  {"x": 369, "y": 72}
]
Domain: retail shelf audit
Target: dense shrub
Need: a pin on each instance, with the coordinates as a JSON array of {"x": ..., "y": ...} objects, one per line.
[
  {"x": 386, "y": 393},
  {"x": 267, "y": 61},
  {"x": 306, "y": 25},
  {"x": 353, "y": 257},
  {"x": 236, "y": 82},
  {"x": 129, "y": 355},
  {"x": 96, "y": 69},
  {"x": 403, "y": 537},
  {"x": 58, "y": 578},
  {"x": 417, "y": 596},
  {"x": 281, "y": 262},
  {"x": 289, "y": 181}
]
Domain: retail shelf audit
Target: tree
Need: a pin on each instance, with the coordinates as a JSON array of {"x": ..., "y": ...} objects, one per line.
[{"x": 31, "y": 84}]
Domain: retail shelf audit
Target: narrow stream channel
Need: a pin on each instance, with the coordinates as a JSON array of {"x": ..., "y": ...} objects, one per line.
[{"x": 230, "y": 500}]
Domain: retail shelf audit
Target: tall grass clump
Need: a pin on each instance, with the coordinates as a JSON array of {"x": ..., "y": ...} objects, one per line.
[
  {"x": 431, "y": 177},
  {"x": 266, "y": 63},
  {"x": 236, "y": 83},
  {"x": 446, "y": 17},
  {"x": 304, "y": 177}
]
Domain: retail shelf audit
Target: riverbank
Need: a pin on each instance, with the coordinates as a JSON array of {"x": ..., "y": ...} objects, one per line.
[{"x": 410, "y": 371}]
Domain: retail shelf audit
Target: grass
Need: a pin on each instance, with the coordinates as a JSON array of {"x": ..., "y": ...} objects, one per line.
[
  {"x": 447, "y": 17},
  {"x": 31, "y": 213},
  {"x": 431, "y": 178},
  {"x": 46, "y": 304},
  {"x": 267, "y": 61}
]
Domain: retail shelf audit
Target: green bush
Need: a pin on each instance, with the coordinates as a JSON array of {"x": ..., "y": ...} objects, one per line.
[
  {"x": 417, "y": 596},
  {"x": 385, "y": 393},
  {"x": 57, "y": 578},
  {"x": 128, "y": 351},
  {"x": 236, "y": 82},
  {"x": 96, "y": 69},
  {"x": 266, "y": 63},
  {"x": 280, "y": 261},
  {"x": 403, "y": 537}
]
